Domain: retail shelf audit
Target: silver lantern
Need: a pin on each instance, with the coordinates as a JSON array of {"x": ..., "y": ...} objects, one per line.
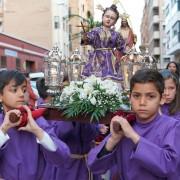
[
  {"x": 53, "y": 71},
  {"x": 134, "y": 61},
  {"x": 130, "y": 63},
  {"x": 149, "y": 62},
  {"x": 74, "y": 66}
]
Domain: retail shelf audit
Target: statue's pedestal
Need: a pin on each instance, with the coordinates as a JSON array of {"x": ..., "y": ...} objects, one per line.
[{"x": 57, "y": 115}]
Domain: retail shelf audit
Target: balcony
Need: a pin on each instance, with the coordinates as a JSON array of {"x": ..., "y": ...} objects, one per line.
[
  {"x": 156, "y": 51},
  {"x": 155, "y": 19},
  {"x": 155, "y": 3},
  {"x": 156, "y": 35},
  {"x": 174, "y": 45}
]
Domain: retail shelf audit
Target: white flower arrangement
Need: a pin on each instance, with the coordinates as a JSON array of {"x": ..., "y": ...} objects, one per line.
[{"x": 92, "y": 96}]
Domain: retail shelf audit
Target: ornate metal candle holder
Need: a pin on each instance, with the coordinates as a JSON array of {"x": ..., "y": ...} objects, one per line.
[
  {"x": 134, "y": 61},
  {"x": 74, "y": 66},
  {"x": 54, "y": 72}
]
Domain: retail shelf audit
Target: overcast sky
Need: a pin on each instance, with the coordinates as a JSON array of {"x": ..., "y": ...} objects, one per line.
[{"x": 132, "y": 7}]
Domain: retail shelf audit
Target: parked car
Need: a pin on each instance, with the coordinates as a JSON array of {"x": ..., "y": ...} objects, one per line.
[{"x": 34, "y": 76}]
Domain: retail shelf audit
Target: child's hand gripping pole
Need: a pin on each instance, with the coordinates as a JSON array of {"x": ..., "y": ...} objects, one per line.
[
  {"x": 35, "y": 114},
  {"x": 130, "y": 116}
]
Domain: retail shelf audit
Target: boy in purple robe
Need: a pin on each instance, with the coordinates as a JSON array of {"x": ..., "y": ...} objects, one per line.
[
  {"x": 24, "y": 150},
  {"x": 150, "y": 148},
  {"x": 104, "y": 40},
  {"x": 171, "y": 95}
]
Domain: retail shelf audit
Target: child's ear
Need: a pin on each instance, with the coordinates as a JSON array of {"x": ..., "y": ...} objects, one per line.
[{"x": 0, "y": 98}]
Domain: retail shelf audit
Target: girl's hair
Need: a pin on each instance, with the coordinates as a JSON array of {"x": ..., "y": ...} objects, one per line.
[
  {"x": 148, "y": 75},
  {"x": 42, "y": 89},
  {"x": 177, "y": 67},
  {"x": 8, "y": 75},
  {"x": 174, "y": 106},
  {"x": 113, "y": 8}
]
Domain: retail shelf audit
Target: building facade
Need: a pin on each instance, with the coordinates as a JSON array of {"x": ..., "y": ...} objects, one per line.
[
  {"x": 78, "y": 8},
  {"x": 152, "y": 29},
  {"x": 39, "y": 22},
  {"x": 21, "y": 55},
  {"x": 172, "y": 29}
]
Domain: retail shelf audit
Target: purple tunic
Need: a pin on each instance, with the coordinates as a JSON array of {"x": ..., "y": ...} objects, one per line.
[
  {"x": 78, "y": 136},
  {"x": 22, "y": 158},
  {"x": 165, "y": 110},
  {"x": 156, "y": 156},
  {"x": 101, "y": 61}
]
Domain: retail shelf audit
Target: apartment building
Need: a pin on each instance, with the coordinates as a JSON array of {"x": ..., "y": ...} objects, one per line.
[
  {"x": 172, "y": 29},
  {"x": 152, "y": 28},
  {"x": 39, "y": 22},
  {"x": 79, "y": 8}
]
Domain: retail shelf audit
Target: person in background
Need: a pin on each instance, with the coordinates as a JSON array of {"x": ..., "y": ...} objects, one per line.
[
  {"x": 30, "y": 96},
  {"x": 173, "y": 66},
  {"x": 104, "y": 40},
  {"x": 44, "y": 97},
  {"x": 171, "y": 95},
  {"x": 147, "y": 149},
  {"x": 24, "y": 151}
]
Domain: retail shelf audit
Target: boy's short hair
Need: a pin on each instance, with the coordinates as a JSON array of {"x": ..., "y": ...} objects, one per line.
[{"x": 146, "y": 76}]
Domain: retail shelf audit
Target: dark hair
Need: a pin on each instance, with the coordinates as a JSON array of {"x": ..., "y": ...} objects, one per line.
[
  {"x": 146, "y": 76},
  {"x": 113, "y": 8},
  {"x": 8, "y": 75},
  {"x": 177, "y": 67},
  {"x": 42, "y": 88},
  {"x": 174, "y": 106}
]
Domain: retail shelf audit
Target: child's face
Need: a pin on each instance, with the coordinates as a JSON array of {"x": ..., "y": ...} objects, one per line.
[
  {"x": 109, "y": 18},
  {"x": 172, "y": 67},
  {"x": 13, "y": 96},
  {"x": 145, "y": 101},
  {"x": 169, "y": 90}
]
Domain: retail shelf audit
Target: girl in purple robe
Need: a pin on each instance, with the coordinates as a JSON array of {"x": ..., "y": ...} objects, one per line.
[
  {"x": 25, "y": 150},
  {"x": 78, "y": 136},
  {"x": 171, "y": 106},
  {"x": 150, "y": 148},
  {"x": 104, "y": 40}
]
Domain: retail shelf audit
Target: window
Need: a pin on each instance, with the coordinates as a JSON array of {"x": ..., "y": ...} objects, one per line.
[
  {"x": 56, "y": 22},
  {"x": 1, "y": 26},
  {"x": 70, "y": 28},
  {"x": 156, "y": 43},
  {"x": 156, "y": 27},
  {"x": 69, "y": 10},
  {"x": 3, "y": 62},
  {"x": 176, "y": 30},
  {"x": 166, "y": 10},
  {"x": 155, "y": 11},
  {"x": 178, "y": 5},
  {"x": 18, "y": 64},
  {"x": 167, "y": 59}
]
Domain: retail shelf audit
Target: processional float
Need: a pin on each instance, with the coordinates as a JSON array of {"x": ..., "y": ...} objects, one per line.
[{"x": 56, "y": 68}]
